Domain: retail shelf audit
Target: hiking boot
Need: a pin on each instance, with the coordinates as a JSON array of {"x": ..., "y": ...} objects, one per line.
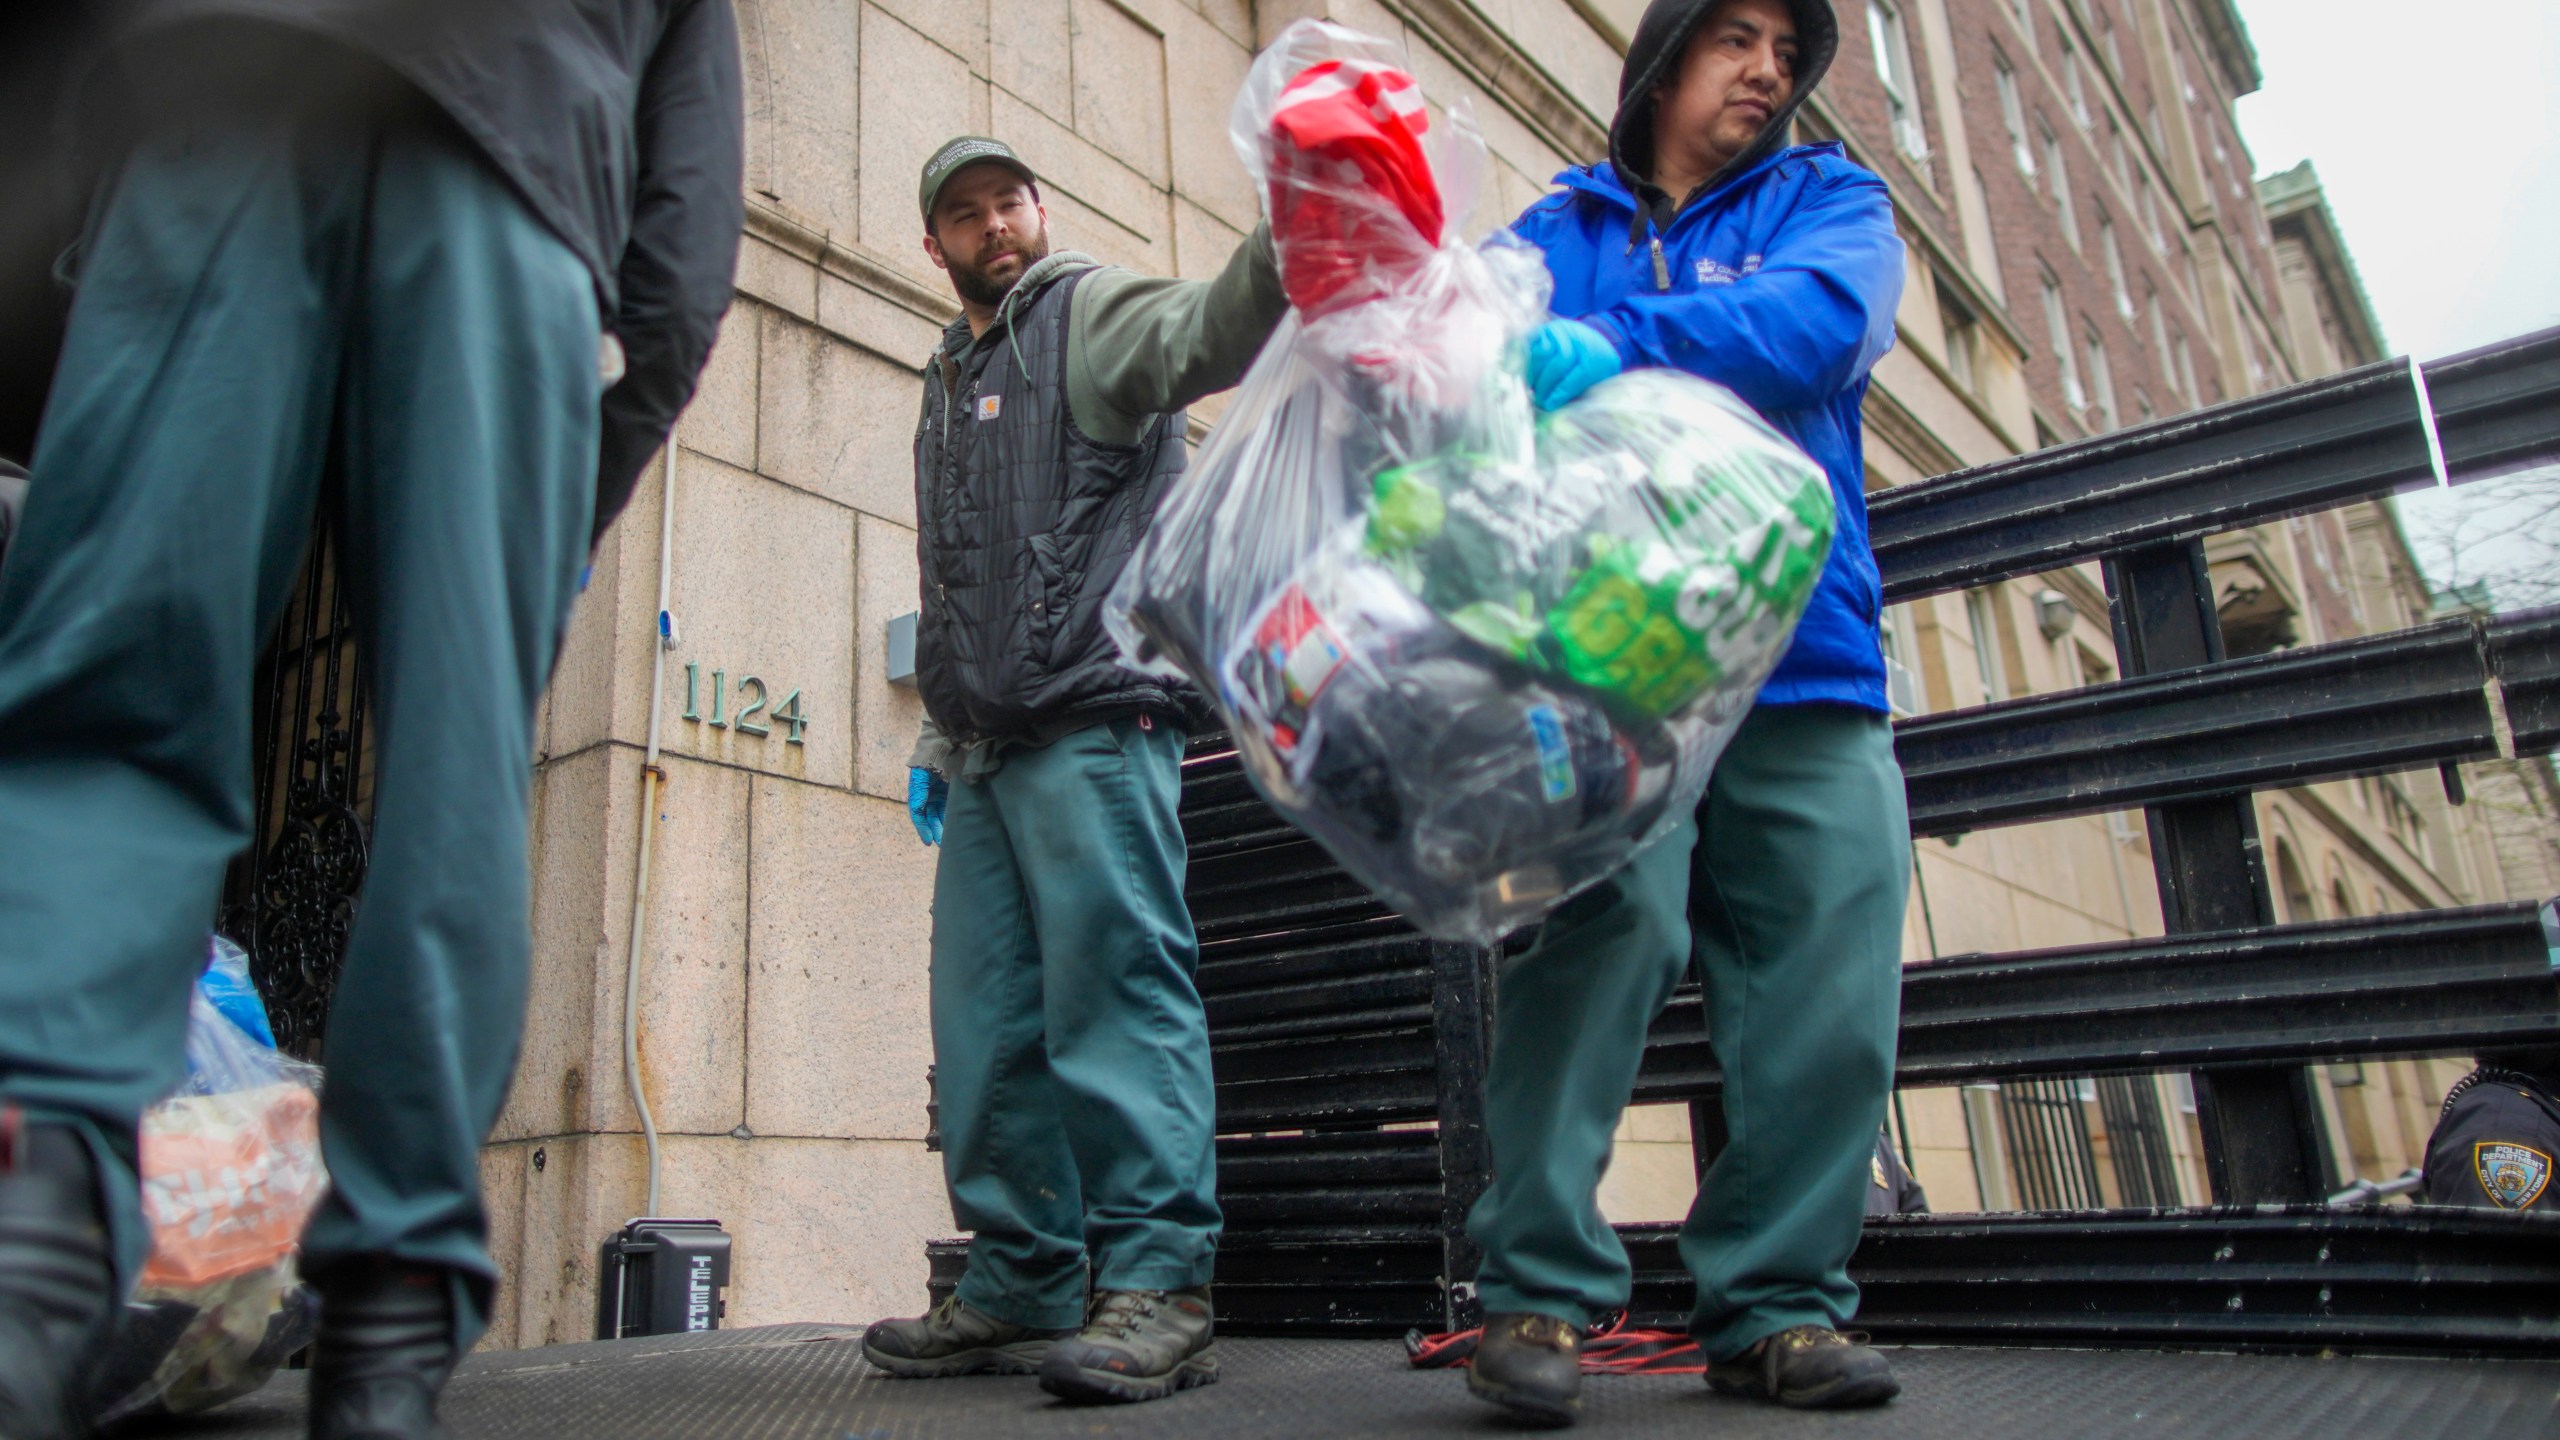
[
  {"x": 1137, "y": 1345},
  {"x": 955, "y": 1338},
  {"x": 1530, "y": 1365},
  {"x": 56, "y": 1284},
  {"x": 385, "y": 1348},
  {"x": 1811, "y": 1367}
]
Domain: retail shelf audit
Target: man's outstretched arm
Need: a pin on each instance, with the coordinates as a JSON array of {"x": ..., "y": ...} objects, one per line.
[{"x": 1141, "y": 345}]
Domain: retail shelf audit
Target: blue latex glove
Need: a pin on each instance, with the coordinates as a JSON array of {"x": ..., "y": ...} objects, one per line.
[
  {"x": 1567, "y": 357},
  {"x": 926, "y": 793}
]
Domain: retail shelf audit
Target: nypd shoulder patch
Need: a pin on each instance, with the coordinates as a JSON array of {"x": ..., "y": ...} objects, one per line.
[{"x": 2513, "y": 1176}]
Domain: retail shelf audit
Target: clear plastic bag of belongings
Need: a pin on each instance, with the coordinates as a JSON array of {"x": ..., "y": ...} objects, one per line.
[
  {"x": 1483, "y": 655},
  {"x": 230, "y": 1171}
]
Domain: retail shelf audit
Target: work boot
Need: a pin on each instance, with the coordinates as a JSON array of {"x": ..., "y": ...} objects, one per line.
[
  {"x": 955, "y": 1338},
  {"x": 385, "y": 1349},
  {"x": 1136, "y": 1345},
  {"x": 1530, "y": 1365},
  {"x": 1811, "y": 1367},
  {"x": 57, "y": 1285}
]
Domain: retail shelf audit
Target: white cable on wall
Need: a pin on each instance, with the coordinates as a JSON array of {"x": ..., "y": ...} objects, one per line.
[{"x": 650, "y": 778}]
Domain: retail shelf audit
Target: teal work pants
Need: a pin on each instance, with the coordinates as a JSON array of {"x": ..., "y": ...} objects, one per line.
[
  {"x": 1071, "y": 1052},
  {"x": 271, "y": 294},
  {"x": 1789, "y": 885}
]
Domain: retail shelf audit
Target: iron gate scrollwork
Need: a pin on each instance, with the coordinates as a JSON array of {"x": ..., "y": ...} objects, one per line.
[{"x": 289, "y": 900}]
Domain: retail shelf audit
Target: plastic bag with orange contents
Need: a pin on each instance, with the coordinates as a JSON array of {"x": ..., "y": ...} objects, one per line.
[{"x": 230, "y": 1172}]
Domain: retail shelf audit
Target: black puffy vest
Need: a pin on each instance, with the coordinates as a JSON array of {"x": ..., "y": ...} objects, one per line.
[{"x": 1023, "y": 523}]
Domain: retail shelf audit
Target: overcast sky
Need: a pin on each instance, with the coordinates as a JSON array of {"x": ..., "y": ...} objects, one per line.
[{"x": 2436, "y": 130}]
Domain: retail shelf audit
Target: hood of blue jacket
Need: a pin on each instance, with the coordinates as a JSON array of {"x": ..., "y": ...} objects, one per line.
[{"x": 1653, "y": 56}]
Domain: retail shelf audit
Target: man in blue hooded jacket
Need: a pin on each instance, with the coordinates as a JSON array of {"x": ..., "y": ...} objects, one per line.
[{"x": 1708, "y": 245}]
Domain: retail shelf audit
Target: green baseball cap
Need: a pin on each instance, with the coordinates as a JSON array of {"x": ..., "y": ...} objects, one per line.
[{"x": 959, "y": 154}]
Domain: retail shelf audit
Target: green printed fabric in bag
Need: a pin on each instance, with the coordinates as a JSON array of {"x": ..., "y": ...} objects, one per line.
[{"x": 1657, "y": 550}]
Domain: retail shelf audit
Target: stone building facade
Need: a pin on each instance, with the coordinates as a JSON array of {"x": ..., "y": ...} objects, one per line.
[{"x": 781, "y": 1020}]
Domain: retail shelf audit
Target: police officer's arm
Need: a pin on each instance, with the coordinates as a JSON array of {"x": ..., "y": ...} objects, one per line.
[
  {"x": 1142, "y": 345},
  {"x": 687, "y": 212},
  {"x": 1810, "y": 322},
  {"x": 2496, "y": 1145}
]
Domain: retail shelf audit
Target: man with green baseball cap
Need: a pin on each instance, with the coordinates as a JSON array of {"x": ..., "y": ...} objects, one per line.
[
  {"x": 1072, "y": 1050},
  {"x": 959, "y": 154}
]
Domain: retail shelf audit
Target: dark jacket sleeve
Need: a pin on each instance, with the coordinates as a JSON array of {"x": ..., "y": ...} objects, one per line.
[{"x": 687, "y": 212}]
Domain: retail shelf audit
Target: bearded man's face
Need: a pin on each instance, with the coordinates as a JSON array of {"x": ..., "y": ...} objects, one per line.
[{"x": 987, "y": 228}]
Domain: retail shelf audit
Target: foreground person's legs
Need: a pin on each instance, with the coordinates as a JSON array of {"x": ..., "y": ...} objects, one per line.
[
  {"x": 469, "y": 424},
  {"x": 175, "y": 478}
]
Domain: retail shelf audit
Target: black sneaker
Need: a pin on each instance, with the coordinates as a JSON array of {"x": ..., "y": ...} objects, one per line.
[
  {"x": 1531, "y": 1366},
  {"x": 956, "y": 1338},
  {"x": 1137, "y": 1345},
  {"x": 56, "y": 1290},
  {"x": 384, "y": 1351},
  {"x": 1811, "y": 1367}
]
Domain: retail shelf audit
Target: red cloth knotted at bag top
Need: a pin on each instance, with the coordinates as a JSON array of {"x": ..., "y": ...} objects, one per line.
[{"x": 1355, "y": 208}]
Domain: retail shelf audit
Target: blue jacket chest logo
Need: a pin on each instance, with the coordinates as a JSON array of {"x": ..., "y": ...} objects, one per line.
[{"x": 1712, "y": 271}]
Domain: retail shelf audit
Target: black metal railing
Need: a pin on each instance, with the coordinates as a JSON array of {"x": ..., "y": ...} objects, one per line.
[
  {"x": 290, "y": 898},
  {"x": 1350, "y": 1051}
]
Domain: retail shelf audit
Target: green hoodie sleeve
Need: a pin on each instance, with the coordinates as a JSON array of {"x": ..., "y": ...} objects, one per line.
[{"x": 1141, "y": 345}]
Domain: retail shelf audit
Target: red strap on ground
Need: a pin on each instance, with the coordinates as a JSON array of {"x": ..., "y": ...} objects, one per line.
[{"x": 1611, "y": 1347}]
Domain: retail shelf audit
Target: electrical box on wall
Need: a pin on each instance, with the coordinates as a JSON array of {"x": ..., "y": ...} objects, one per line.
[
  {"x": 902, "y": 649},
  {"x": 662, "y": 1277}
]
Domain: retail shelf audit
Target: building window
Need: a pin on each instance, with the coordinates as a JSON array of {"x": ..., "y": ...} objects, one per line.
[
  {"x": 2013, "y": 113},
  {"x": 2178, "y": 68},
  {"x": 1964, "y": 332},
  {"x": 1893, "y": 69},
  {"x": 1993, "y": 273},
  {"x": 2107, "y": 42},
  {"x": 2057, "y": 325},
  {"x": 2151, "y": 122},
  {"x": 1901, "y": 660},
  {"x": 2150, "y": 212},
  {"x": 2117, "y": 154},
  {"x": 2142, "y": 406},
  {"x": 1986, "y": 654},
  {"x": 2159, "y": 334},
  {"x": 2102, "y": 382},
  {"x": 2024, "y": 12},
  {"x": 2059, "y": 178},
  {"x": 2072, "y": 85},
  {"x": 2186, "y": 369},
  {"x": 2115, "y": 264},
  {"x": 2296, "y": 890}
]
